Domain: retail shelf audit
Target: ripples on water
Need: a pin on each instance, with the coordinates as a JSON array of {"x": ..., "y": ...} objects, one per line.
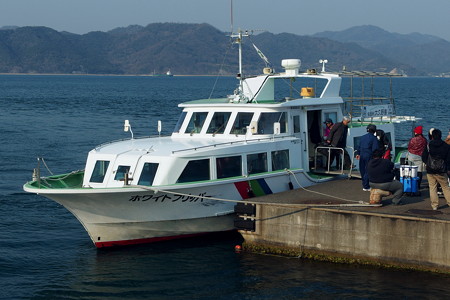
[{"x": 45, "y": 253}]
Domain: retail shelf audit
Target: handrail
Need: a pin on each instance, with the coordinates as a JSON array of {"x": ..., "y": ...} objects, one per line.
[
  {"x": 233, "y": 142},
  {"x": 126, "y": 139},
  {"x": 342, "y": 154},
  {"x": 341, "y": 150}
]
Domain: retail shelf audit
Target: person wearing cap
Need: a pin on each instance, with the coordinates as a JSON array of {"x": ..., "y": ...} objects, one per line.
[
  {"x": 368, "y": 143},
  {"x": 416, "y": 146},
  {"x": 338, "y": 138},
  {"x": 326, "y": 131}
]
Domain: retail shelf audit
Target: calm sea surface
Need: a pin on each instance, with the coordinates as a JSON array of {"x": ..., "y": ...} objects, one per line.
[{"x": 46, "y": 254}]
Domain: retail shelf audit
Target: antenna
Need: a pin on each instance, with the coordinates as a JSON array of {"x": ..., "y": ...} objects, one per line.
[
  {"x": 323, "y": 62},
  {"x": 231, "y": 16},
  {"x": 238, "y": 40}
]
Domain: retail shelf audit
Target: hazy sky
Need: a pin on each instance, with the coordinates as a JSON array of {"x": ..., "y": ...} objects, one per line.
[{"x": 294, "y": 16}]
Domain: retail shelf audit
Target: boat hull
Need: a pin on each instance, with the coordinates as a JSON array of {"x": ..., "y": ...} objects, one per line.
[
  {"x": 133, "y": 215},
  {"x": 131, "y": 233}
]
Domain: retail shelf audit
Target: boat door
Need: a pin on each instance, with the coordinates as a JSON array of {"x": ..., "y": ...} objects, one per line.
[
  {"x": 316, "y": 130},
  {"x": 298, "y": 118},
  {"x": 315, "y": 134}
]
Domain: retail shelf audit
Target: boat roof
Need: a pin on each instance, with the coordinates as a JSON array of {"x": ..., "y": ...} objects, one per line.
[
  {"x": 170, "y": 146},
  {"x": 224, "y": 102},
  {"x": 263, "y": 91}
]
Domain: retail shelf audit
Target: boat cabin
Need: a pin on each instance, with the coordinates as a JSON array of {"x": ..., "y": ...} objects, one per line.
[{"x": 272, "y": 122}]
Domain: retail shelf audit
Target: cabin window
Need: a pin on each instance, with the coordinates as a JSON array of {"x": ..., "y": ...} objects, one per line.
[
  {"x": 196, "y": 122},
  {"x": 243, "y": 120},
  {"x": 229, "y": 166},
  {"x": 280, "y": 160},
  {"x": 296, "y": 124},
  {"x": 180, "y": 122},
  {"x": 218, "y": 122},
  {"x": 195, "y": 170},
  {"x": 121, "y": 171},
  {"x": 266, "y": 121},
  {"x": 148, "y": 174},
  {"x": 98, "y": 175},
  {"x": 257, "y": 163}
]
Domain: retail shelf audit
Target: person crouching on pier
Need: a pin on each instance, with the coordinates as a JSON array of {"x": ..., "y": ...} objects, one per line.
[{"x": 381, "y": 176}]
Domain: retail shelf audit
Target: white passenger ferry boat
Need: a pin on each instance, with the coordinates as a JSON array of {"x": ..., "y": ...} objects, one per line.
[{"x": 260, "y": 140}]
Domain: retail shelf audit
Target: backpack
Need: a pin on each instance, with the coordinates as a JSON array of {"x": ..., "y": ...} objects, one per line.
[{"x": 435, "y": 164}]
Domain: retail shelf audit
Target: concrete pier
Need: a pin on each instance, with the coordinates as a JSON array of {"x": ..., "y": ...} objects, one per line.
[{"x": 308, "y": 223}]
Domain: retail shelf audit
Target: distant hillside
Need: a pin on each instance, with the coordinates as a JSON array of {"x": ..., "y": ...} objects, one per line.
[
  {"x": 184, "y": 48},
  {"x": 427, "y": 53},
  {"x": 44, "y": 50},
  {"x": 310, "y": 50},
  {"x": 203, "y": 49}
]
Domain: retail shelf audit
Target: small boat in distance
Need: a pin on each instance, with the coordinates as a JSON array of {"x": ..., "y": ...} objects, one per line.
[
  {"x": 259, "y": 140},
  {"x": 167, "y": 74}
]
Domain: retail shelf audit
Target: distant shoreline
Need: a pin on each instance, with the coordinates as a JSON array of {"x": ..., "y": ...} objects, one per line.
[
  {"x": 161, "y": 76},
  {"x": 129, "y": 75}
]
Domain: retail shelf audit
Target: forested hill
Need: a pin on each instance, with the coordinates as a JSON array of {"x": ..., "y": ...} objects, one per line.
[{"x": 194, "y": 49}]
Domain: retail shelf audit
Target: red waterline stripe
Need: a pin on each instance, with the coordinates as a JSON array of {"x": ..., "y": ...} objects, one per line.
[{"x": 148, "y": 240}]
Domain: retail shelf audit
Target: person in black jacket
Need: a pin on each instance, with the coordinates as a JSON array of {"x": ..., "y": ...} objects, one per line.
[
  {"x": 381, "y": 176},
  {"x": 338, "y": 138},
  {"x": 439, "y": 150},
  {"x": 384, "y": 143}
]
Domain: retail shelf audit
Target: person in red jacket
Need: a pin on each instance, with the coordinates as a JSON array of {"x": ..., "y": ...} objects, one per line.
[{"x": 416, "y": 146}]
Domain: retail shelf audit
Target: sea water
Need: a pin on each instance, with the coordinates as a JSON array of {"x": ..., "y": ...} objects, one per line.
[{"x": 46, "y": 254}]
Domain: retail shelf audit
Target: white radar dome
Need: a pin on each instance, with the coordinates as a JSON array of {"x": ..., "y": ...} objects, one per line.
[{"x": 291, "y": 66}]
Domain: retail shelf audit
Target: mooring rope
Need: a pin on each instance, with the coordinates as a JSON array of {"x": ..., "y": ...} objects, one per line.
[
  {"x": 45, "y": 164},
  {"x": 323, "y": 194},
  {"x": 62, "y": 178}
]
